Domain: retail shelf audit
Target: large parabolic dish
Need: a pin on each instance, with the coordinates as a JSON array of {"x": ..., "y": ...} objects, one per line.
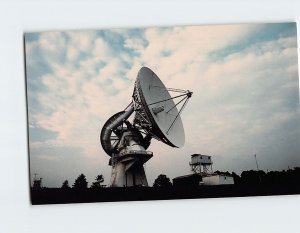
[
  {"x": 155, "y": 116},
  {"x": 160, "y": 108}
]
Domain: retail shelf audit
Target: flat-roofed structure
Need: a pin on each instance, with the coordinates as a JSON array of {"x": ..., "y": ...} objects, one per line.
[{"x": 192, "y": 180}]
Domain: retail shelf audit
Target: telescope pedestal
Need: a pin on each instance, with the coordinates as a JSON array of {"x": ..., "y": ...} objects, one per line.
[{"x": 128, "y": 169}]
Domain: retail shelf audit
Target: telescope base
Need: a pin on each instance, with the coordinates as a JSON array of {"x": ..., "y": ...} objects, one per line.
[{"x": 128, "y": 170}]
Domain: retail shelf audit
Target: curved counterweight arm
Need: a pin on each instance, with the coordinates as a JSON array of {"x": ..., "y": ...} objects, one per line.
[
  {"x": 111, "y": 125},
  {"x": 118, "y": 121}
]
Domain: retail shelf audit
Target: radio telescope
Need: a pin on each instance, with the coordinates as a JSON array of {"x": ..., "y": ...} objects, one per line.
[{"x": 155, "y": 116}]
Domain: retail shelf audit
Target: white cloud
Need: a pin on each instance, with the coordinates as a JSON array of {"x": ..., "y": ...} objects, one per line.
[
  {"x": 82, "y": 40},
  {"x": 101, "y": 50},
  {"x": 72, "y": 54},
  {"x": 136, "y": 44},
  {"x": 52, "y": 42}
]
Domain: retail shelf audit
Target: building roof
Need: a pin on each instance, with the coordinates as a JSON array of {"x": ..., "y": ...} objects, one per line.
[
  {"x": 186, "y": 176},
  {"x": 193, "y": 155}
]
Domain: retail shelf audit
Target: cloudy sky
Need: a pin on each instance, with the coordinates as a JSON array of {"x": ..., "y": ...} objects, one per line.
[{"x": 245, "y": 101}]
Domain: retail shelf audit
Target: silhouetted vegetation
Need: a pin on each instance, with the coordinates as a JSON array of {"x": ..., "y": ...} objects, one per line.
[
  {"x": 236, "y": 178},
  {"x": 250, "y": 183},
  {"x": 65, "y": 185},
  {"x": 222, "y": 173},
  {"x": 37, "y": 184},
  {"x": 97, "y": 184},
  {"x": 291, "y": 177},
  {"x": 80, "y": 182},
  {"x": 162, "y": 181},
  {"x": 252, "y": 177}
]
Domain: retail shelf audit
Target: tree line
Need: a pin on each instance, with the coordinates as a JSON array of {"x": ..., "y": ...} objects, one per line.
[
  {"x": 284, "y": 177},
  {"x": 251, "y": 177},
  {"x": 81, "y": 183}
]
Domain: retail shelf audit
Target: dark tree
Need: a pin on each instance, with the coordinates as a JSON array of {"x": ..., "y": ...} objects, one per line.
[
  {"x": 236, "y": 178},
  {"x": 97, "y": 184},
  {"x": 37, "y": 184},
  {"x": 80, "y": 182},
  {"x": 162, "y": 181},
  {"x": 252, "y": 177},
  {"x": 65, "y": 185},
  {"x": 227, "y": 173}
]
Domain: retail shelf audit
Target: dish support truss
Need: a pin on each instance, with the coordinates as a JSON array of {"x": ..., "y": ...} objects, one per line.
[{"x": 143, "y": 120}]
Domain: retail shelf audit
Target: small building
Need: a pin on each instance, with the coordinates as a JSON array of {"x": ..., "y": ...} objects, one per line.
[
  {"x": 192, "y": 180},
  {"x": 218, "y": 179},
  {"x": 202, "y": 174}
]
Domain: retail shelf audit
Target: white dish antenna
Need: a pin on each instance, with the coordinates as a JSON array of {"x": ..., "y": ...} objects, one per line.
[
  {"x": 159, "y": 108},
  {"x": 156, "y": 116}
]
